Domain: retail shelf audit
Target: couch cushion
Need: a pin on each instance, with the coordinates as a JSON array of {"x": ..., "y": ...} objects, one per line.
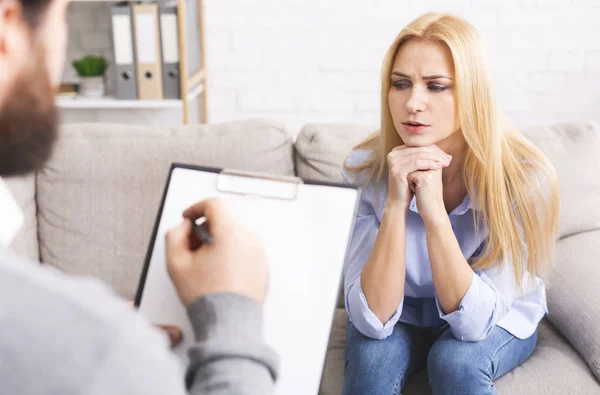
[
  {"x": 25, "y": 243},
  {"x": 553, "y": 369},
  {"x": 573, "y": 149},
  {"x": 322, "y": 148},
  {"x": 98, "y": 196},
  {"x": 574, "y": 293}
]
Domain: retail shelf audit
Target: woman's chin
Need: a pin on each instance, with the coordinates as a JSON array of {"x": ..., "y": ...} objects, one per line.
[{"x": 416, "y": 140}]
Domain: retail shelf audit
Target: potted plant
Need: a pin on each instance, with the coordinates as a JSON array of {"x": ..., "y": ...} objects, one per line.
[{"x": 90, "y": 70}]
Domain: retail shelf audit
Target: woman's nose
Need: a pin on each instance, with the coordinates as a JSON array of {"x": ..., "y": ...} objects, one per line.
[{"x": 416, "y": 102}]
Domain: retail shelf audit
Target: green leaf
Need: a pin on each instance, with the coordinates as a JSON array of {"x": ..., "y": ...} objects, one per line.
[{"x": 90, "y": 66}]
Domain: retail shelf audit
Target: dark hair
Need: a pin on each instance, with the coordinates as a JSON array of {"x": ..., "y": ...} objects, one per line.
[{"x": 34, "y": 10}]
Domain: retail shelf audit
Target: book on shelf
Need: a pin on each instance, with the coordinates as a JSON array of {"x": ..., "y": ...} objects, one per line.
[{"x": 67, "y": 89}]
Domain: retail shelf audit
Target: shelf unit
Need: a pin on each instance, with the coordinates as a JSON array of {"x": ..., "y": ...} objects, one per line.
[
  {"x": 110, "y": 102},
  {"x": 192, "y": 86}
]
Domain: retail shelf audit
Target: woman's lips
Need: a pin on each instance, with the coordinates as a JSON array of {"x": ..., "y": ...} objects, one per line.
[{"x": 414, "y": 129}]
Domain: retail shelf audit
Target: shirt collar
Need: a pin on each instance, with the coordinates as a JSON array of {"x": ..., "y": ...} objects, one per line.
[{"x": 11, "y": 216}]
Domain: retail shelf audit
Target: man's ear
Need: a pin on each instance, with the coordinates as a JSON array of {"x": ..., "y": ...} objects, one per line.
[{"x": 15, "y": 40}]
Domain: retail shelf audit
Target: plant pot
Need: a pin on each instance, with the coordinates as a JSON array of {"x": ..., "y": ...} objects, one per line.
[{"x": 92, "y": 87}]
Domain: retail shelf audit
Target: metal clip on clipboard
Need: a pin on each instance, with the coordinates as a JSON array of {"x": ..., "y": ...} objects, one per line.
[{"x": 257, "y": 184}]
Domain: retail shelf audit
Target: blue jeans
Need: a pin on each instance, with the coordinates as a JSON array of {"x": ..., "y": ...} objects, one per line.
[{"x": 454, "y": 367}]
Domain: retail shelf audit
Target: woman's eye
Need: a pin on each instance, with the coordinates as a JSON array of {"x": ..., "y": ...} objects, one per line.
[
  {"x": 437, "y": 87},
  {"x": 401, "y": 84}
]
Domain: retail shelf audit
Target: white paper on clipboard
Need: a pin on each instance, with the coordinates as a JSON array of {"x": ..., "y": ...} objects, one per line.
[{"x": 305, "y": 229}]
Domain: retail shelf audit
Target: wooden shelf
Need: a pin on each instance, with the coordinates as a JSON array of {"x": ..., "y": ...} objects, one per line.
[
  {"x": 194, "y": 82},
  {"x": 109, "y": 102}
]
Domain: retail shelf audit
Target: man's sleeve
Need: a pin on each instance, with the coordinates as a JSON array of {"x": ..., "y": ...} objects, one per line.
[{"x": 230, "y": 355}]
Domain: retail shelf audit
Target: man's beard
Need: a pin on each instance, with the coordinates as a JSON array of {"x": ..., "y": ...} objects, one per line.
[{"x": 28, "y": 121}]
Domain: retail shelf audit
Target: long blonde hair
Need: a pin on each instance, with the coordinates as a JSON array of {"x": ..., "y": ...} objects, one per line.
[{"x": 513, "y": 181}]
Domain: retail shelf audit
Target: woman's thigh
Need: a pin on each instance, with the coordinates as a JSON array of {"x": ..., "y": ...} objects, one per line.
[
  {"x": 381, "y": 366},
  {"x": 471, "y": 367}
]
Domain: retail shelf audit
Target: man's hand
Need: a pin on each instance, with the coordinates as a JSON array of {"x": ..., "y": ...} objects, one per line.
[
  {"x": 173, "y": 332},
  {"x": 234, "y": 262}
]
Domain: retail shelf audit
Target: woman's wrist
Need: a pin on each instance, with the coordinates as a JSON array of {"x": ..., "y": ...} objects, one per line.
[
  {"x": 437, "y": 222},
  {"x": 395, "y": 209}
]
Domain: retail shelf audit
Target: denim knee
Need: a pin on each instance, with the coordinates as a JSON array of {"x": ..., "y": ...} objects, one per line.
[
  {"x": 373, "y": 366},
  {"x": 458, "y": 368}
]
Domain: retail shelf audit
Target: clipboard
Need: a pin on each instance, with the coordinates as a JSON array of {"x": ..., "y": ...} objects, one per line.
[{"x": 305, "y": 227}]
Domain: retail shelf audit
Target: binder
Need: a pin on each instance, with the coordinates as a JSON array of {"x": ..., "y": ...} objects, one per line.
[
  {"x": 169, "y": 39},
  {"x": 122, "y": 35},
  {"x": 148, "y": 59},
  {"x": 305, "y": 227},
  {"x": 193, "y": 38}
]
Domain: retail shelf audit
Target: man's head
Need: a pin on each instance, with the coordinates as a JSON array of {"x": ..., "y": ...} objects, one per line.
[{"x": 33, "y": 36}]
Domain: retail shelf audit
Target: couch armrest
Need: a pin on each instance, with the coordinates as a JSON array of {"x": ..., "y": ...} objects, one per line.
[{"x": 574, "y": 294}]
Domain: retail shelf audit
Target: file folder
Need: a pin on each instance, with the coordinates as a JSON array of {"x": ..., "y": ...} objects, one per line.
[
  {"x": 193, "y": 34},
  {"x": 148, "y": 59},
  {"x": 122, "y": 35},
  {"x": 169, "y": 39}
]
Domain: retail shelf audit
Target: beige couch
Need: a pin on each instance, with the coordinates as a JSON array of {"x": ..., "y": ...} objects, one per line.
[{"x": 91, "y": 211}]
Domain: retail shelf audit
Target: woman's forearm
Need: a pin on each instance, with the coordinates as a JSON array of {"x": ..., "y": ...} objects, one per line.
[
  {"x": 382, "y": 277},
  {"x": 452, "y": 275}
]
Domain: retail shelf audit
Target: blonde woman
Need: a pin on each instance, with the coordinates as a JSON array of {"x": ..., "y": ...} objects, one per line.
[{"x": 456, "y": 225}]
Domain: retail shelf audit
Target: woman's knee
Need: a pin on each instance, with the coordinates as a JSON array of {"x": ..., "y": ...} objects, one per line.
[
  {"x": 456, "y": 366},
  {"x": 370, "y": 354},
  {"x": 374, "y": 366}
]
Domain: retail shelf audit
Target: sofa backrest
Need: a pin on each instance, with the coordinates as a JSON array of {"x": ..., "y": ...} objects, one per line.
[
  {"x": 574, "y": 150},
  {"x": 98, "y": 196},
  {"x": 321, "y": 149}
]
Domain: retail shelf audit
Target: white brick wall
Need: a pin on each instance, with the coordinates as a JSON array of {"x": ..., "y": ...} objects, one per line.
[
  {"x": 319, "y": 60},
  {"x": 89, "y": 34}
]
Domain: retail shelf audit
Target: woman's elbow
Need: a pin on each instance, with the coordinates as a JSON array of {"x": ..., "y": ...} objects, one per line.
[{"x": 470, "y": 334}]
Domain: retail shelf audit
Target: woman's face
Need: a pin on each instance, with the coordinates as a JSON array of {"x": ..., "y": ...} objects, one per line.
[{"x": 421, "y": 95}]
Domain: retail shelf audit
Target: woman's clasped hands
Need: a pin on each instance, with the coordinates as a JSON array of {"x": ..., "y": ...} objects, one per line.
[{"x": 417, "y": 171}]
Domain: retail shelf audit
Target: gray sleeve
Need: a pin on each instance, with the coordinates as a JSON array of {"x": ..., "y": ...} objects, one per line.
[
  {"x": 230, "y": 355},
  {"x": 138, "y": 362}
]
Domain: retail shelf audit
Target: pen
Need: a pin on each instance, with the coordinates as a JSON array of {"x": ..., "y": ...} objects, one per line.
[{"x": 200, "y": 228}]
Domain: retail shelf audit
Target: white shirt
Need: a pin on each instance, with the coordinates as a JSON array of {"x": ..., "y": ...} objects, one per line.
[{"x": 11, "y": 216}]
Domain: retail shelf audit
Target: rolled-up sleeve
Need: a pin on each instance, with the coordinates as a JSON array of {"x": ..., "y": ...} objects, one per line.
[
  {"x": 487, "y": 300},
  {"x": 361, "y": 245},
  {"x": 363, "y": 318}
]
